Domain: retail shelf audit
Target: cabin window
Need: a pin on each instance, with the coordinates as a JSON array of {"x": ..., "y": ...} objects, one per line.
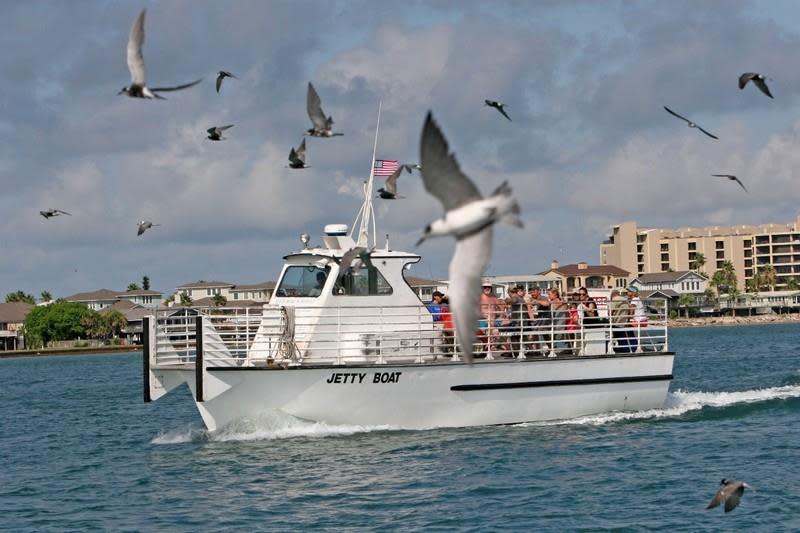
[
  {"x": 366, "y": 281},
  {"x": 303, "y": 282}
]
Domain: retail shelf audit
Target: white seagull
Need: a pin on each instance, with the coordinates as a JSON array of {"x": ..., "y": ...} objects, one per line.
[
  {"x": 323, "y": 126},
  {"x": 730, "y": 493},
  {"x": 138, "y": 87},
  {"x": 145, "y": 225},
  {"x": 468, "y": 217}
]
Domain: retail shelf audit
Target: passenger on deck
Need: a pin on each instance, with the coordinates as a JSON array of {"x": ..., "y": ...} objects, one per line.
[
  {"x": 638, "y": 317},
  {"x": 539, "y": 314},
  {"x": 448, "y": 334},
  {"x": 620, "y": 312},
  {"x": 588, "y": 308},
  {"x": 559, "y": 316},
  {"x": 435, "y": 306},
  {"x": 517, "y": 314}
]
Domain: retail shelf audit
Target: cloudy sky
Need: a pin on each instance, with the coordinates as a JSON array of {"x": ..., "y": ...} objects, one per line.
[{"x": 589, "y": 146}]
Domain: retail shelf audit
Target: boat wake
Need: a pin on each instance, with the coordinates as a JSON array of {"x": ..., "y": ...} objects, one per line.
[
  {"x": 679, "y": 403},
  {"x": 270, "y": 426}
]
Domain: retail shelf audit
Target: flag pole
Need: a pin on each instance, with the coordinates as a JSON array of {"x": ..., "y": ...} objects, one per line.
[{"x": 367, "y": 212}]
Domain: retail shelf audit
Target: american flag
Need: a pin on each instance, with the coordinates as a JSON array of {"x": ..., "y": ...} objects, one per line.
[{"x": 385, "y": 167}]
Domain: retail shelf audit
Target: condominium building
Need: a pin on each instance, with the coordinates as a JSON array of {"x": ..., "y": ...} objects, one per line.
[{"x": 747, "y": 247}]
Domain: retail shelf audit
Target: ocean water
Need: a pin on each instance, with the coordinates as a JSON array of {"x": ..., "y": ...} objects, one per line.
[{"x": 81, "y": 452}]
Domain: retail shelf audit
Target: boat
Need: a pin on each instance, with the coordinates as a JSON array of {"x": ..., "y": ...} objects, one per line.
[{"x": 345, "y": 340}]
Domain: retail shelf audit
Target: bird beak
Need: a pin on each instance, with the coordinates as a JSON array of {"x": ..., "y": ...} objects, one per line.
[{"x": 420, "y": 241}]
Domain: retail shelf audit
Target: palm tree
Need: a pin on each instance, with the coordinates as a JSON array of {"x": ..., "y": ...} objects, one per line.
[
  {"x": 699, "y": 261},
  {"x": 219, "y": 300},
  {"x": 132, "y": 287},
  {"x": 718, "y": 281},
  {"x": 767, "y": 276},
  {"x": 46, "y": 296},
  {"x": 751, "y": 285},
  {"x": 730, "y": 274},
  {"x": 116, "y": 322},
  {"x": 792, "y": 284},
  {"x": 733, "y": 294},
  {"x": 186, "y": 300},
  {"x": 686, "y": 300},
  {"x": 146, "y": 283}
]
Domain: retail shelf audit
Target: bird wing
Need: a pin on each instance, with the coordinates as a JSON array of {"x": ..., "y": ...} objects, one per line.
[
  {"x": 62, "y": 212},
  {"x": 491, "y": 103},
  {"x": 135, "y": 57},
  {"x": 391, "y": 181},
  {"x": 503, "y": 111},
  {"x": 737, "y": 180},
  {"x": 177, "y": 87},
  {"x": 729, "y": 176},
  {"x": 719, "y": 497},
  {"x": 707, "y": 133},
  {"x": 294, "y": 158},
  {"x": 314, "y": 108},
  {"x": 212, "y": 130},
  {"x": 223, "y": 128},
  {"x": 141, "y": 229},
  {"x": 301, "y": 150},
  {"x": 440, "y": 172},
  {"x": 45, "y": 214},
  {"x": 347, "y": 260},
  {"x": 744, "y": 78},
  {"x": 735, "y": 491},
  {"x": 219, "y": 80},
  {"x": 469, "y": 260},
  {"x": 671, "y": 112},
  {"x": 761, "y": 84}
]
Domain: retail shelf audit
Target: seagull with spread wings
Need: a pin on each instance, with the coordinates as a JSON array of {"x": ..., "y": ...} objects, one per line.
[
  {"x": 389, "y": 190},
  {"x": 730, "y": 493},
  {"x": 469, "y": 217},
  {"x": 53, "y": 213},
  {"x": 215, "y": 132},
  {"x": 759, "y": 80},
  {"x": 322, "y": 125},
  {"x": 221, "y": 75},
  {"x": 690, "y": 123},
  {"x": 731, "y": 177},
  {"x": 138, "y": 87},
  {"x": 499, "y": 106},
  {"x": 297, "y": 156}
]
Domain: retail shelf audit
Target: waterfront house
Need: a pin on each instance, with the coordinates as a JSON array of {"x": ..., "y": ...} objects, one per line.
[
  {"x": 425, "y": 287},
  {"x": 12, "y": 317},
  {"x": 576, "y": 275}
]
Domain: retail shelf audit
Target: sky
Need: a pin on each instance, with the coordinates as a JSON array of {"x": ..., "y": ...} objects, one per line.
[{"x": 585, "y": 83}]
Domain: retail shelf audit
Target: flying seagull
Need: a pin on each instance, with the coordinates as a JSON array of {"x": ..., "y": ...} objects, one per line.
[
  {"x": 138, "y": 87},
  {"x": 730, "y": 492},
  {"x": 389, "y": 190},
  {"x": 222, "y": 75},
  {"x": 297, "y": 156},
  {"x": 145, "y": 225},
  {"x": 323, "y": 127},
  {"x": 355, "y": 258},
  {"x": 759, "y": 79},
  {"x": 732, "y": 178},
  {"x": 499, "y": 106},
  {"x": 690, "y": 123},
  {"x": 53, "y": 213},
  {"x": 215, "y": 132},
  {"x": 469, "y": 218}
]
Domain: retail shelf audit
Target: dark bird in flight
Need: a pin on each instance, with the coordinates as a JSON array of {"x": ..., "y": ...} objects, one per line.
[
  {"x": 730, "y": 493},
  {"x": 732, "y": 178},
  {"x": 222, "y": 75},
  {"x": 389, "y": 190},
  {"x": 690, "y": 123},
  {"x": 323, "y": 126},
  {"x": 215, "y": 132},
  {"x": 353, "y": 260},
  {"x": 297, "y": 156},
  {"x": 53, "y": 213},
  {"x": 145, "y": 225},
  {"x": 499, "y": 106},
  {"x": 759, "y": 79},
  {"x": 138, "y": 87}
]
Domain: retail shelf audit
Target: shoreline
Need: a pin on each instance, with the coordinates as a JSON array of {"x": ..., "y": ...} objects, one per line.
[{"x": 45, "y": 352}]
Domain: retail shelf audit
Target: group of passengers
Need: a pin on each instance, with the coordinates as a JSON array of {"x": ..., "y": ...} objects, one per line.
[{"x": 540, "y": 324}]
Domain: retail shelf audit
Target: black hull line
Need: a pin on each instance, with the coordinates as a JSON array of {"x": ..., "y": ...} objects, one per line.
[{"x": 559, "y": 383}]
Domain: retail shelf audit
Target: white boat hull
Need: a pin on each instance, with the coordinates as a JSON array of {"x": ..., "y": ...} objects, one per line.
[{"x": 433, "y": 395}]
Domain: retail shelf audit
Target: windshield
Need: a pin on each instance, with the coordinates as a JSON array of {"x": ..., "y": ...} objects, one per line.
[
  {"x": 366, "y": 281},
  {"x": 302, "y": 281}
]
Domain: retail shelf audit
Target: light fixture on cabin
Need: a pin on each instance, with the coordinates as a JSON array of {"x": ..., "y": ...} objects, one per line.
[{"x": 304, "y": 238}]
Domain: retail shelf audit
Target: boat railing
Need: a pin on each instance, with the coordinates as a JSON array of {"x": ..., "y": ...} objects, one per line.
[{"x": 307, "y": 335}]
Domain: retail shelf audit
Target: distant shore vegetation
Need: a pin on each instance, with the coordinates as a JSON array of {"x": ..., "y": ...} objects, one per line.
[{"x": 68, "y": 321}]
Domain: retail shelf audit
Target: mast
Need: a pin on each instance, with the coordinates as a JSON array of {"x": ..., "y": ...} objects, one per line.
[{"x": 366, "y": 213}]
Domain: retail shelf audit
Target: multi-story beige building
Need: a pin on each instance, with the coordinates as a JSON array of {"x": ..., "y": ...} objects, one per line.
[{"x": 748, "y": 247}]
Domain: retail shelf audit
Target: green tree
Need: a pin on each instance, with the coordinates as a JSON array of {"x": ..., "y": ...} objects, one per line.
[
  {"x": 718, "y": 282},
  {"x": 792, "y": 284},
  {"x": 58, "y": 321},
  {"x": 132, "y": 287},
  {"x": 46, "y": 296},
  {"x": 185, "y": 300},
  {"x": 116, "y": 321},
  {"x": 146, "y": 283},
  {"x": 20, "y": 296},
  {"x": 96, "y": 326},
  {"x": 767, "y": 277},
  {"x": 699, "y": 261},
  {"x": 219, "y": 300},
  {"x": 686, "y": 301},
  {"x": 751, "y": 285}
]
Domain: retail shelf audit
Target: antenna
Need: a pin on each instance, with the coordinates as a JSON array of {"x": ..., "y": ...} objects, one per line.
[{"x": 366, "y": 213}]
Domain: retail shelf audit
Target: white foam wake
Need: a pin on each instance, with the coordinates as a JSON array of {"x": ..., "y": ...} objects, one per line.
[
  {"x": 269, "y": 426},
  {"x": 680, "y": 402}
]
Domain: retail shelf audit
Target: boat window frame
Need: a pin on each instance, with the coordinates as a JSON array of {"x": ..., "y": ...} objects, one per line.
[
  {"x": 310, "y": 268},
  {"x": 338, "y": 288}
]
